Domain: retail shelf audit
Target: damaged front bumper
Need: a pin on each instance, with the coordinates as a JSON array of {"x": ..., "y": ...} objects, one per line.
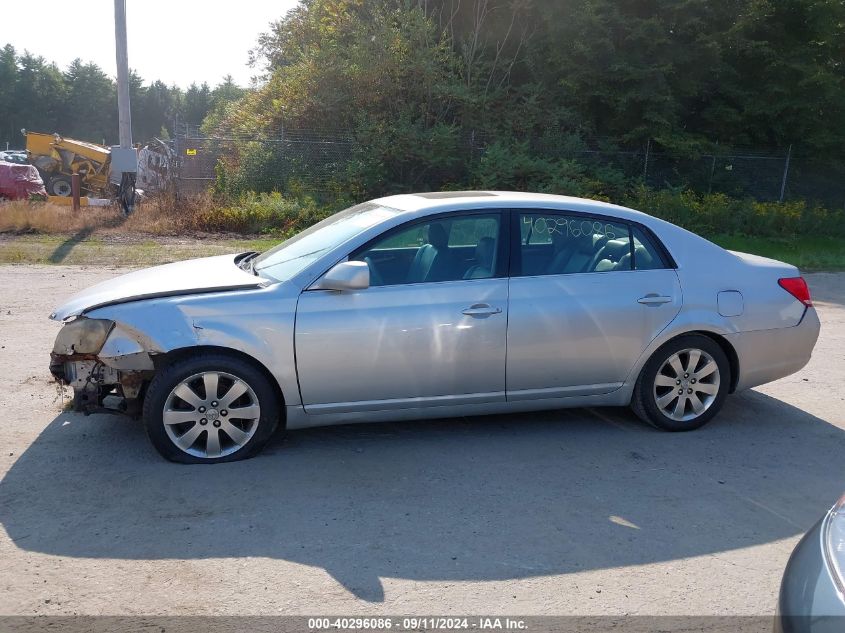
[{"x": 104, "y": 364}]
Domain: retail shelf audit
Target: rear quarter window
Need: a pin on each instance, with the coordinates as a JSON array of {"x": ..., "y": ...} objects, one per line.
[{"x": 647, "y": 254}]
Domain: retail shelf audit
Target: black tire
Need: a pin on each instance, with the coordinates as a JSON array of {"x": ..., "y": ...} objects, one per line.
[
  {"x": 59, "y": 186},
  {"x": 645, "y": 396},
  {"x": 168, "y": 378}
]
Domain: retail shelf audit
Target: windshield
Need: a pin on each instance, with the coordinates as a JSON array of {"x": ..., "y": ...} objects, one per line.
[{"x": 294, "y": 255}]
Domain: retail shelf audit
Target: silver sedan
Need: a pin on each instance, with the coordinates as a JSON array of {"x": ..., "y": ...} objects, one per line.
[
  {"x": 812, "y": 593},
  {"x": 435, "y": 305}
]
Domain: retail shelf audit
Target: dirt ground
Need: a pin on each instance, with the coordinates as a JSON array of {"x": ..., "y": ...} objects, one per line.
[{"x": 571, "y": 512}]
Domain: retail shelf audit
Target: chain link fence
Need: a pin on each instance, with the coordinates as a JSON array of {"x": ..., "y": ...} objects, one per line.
[{"x": 313, "y": 159}]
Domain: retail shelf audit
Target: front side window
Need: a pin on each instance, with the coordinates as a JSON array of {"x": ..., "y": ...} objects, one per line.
[
  {"x": 294, "y": 255},
  {"x": 558, "y": 244},
  {"x": 441, "y": 249}
]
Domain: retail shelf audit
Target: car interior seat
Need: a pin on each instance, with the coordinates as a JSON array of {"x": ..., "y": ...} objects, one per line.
[
  {"x": 375, "y": 276},
  {"x": 483, "y": 267},
  {"x": 642, "y": 258},
  {"x": 433, "y": 261},
  {"x": 610, "y": 255},
  {"x": 577, "y": 254}
]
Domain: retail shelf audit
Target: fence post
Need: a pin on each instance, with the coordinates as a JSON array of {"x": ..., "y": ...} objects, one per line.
[
  {"x": 712, "y": 169},
  {"x": 177, "y": 160},
  {"x": 645, "y": 163},
  {"x": 75, "y": 191},
  {"x": 785, "y": 173}
]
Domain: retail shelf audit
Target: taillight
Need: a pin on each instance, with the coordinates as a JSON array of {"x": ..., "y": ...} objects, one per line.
[{"x": 797, "y": 287}]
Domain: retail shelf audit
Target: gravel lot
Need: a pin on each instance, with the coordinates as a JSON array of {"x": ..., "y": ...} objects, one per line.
[{"x": 571, "y": 512}]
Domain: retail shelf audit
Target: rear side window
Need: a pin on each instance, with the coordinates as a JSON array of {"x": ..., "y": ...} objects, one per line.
[
  {"x": 646, "y": 254},
  {"x": 559, "y": 244}
]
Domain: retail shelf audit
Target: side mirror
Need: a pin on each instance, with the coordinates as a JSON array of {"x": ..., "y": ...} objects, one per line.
[{"x": 345, "y": 276}]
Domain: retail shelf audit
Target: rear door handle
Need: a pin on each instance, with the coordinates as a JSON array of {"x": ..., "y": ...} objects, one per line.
[
  {"x": 481, "y": 309},
  {"x": 654, "y": 300}
]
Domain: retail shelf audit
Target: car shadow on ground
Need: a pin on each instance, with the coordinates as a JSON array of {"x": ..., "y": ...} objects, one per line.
[{"x": 486, "y": 498}]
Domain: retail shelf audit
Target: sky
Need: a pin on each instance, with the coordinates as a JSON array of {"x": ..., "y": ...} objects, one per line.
[{"x": 177, "y": 41}]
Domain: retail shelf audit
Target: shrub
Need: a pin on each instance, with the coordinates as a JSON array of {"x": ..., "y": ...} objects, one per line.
[
  {"x": 281, "y": 215},
  {"x": 266, "y": 213},
  {"x": 513, "y": 166},
  {"x": 718, "y": 214}
]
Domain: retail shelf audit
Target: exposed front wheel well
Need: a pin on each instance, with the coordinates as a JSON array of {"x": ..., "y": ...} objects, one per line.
[{"x": 162, "y": 360}]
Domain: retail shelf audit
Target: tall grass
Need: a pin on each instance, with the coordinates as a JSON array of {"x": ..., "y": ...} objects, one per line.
[
  {"x": 37, "y": 217},
  {"x": 250, "y": 214}
]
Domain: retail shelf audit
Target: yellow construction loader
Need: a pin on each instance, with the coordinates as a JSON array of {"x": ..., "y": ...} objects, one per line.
[{"x": 57, "y": 158}]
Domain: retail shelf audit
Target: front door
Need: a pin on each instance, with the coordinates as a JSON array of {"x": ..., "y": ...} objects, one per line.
[{"x": 431, "y": 330}]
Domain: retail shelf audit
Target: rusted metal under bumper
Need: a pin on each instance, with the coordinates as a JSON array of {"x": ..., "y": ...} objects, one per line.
[{"x": 98, "y": 387}]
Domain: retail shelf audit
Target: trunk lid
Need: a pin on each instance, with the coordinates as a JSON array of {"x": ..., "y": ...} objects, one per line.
[{"x": 775, "y": 267}]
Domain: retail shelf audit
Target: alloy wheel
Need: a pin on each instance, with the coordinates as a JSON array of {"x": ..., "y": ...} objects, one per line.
[
  {"x": 686, "y": 384},
  {"x": 211, "y": 414}
]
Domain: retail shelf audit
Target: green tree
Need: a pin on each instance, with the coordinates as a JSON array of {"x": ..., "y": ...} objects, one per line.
[
  {"x": 158, "y": 108},
  {"x": 197, "y": 103},
  {"x": 39, "y": 93},
  {"x": 377, "y": 70},
  {"x": 783, "y": 80},
  {"x": 90, "y": 105},
  {"x": 8, "y": 109},
  {"x": 224, "y": 97}
]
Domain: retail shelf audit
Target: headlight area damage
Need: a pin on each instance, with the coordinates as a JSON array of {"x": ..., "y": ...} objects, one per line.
[{"x": 104, "y": 363}]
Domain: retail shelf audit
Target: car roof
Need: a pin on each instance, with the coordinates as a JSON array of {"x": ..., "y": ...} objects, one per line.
[
  {"x": 684, "y": 246},
  {"x": 433, "y": 202}
]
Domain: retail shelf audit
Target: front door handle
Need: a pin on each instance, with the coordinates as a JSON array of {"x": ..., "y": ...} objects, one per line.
[
  {"x": 653, "y": 300},
  {"x": 481, "y": 310}
]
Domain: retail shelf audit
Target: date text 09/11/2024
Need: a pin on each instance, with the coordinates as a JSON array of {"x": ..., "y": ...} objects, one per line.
[{"x": 426, "y": 623}]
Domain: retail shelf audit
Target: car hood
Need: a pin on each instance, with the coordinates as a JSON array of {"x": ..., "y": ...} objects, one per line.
[{"x": 208, "y": 274}]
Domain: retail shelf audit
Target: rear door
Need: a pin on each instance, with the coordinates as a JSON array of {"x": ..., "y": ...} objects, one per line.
[{"x": 587, "y": 296}]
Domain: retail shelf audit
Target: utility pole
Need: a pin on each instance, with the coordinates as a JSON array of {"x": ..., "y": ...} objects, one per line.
[
  {"x": 122, "y": 53},
  {"x": 124, "y": 159}
]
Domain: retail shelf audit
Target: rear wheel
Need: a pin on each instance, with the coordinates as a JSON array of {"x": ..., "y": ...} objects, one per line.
[
  {"x": 210, "y": 408},
  {"x": 683, "y": 385},
  {"x": 59, "y": 186}
]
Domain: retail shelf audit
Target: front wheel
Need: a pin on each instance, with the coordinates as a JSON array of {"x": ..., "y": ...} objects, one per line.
[
  {"x": 210, "y": 408},
  {"x": 59, "y": 186},
  {"x": 683, "y": 385}
]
